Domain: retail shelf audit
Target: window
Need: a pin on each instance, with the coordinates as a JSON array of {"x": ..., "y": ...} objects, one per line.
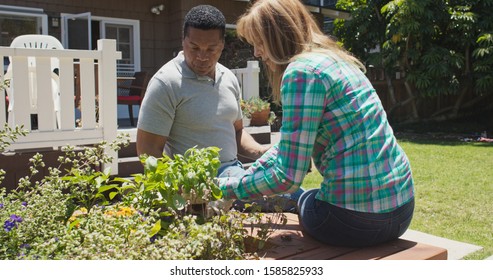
[
  {"x": 123, "y": 34},
  {"x": 124, "y": 31},
  {"x": 15, "y": 21}
]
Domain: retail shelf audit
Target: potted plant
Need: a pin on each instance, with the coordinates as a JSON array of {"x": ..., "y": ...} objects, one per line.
[
  {"x": 181, "y": 184},
  {"x": 257, "y": 110}
]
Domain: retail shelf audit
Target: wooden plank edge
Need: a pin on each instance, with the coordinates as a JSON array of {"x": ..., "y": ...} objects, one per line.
[{"x": 420, "y": 252}]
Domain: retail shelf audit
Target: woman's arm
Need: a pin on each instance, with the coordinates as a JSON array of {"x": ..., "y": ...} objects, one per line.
[{"x": 282, "y": 168}]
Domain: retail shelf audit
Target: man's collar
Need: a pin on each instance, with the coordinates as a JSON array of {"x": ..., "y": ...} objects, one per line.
[{"x": 182, "y": 66}]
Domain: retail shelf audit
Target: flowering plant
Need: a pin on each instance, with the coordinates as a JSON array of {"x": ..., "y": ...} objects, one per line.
[{"x": 86, "y": 214}]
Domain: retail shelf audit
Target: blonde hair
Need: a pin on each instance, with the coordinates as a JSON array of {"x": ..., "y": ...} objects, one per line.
[{"x": 285, "y": 29}]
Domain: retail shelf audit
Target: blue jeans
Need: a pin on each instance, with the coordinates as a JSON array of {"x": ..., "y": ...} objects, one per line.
[
  {"x": 342, "y": 227},
  {"x": 235, "y": 169},
  {"x": 282, "y": 202}
]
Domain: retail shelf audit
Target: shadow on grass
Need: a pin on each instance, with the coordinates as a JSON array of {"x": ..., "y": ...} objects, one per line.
[
  {"x": 450, "y": 133},
  {"x": 442, "y": 139}
]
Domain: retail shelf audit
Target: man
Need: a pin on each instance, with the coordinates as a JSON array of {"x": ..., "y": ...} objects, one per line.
[{"x": 194, "y": 101}]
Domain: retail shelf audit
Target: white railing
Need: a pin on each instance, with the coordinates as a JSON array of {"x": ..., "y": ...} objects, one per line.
[
  {"x": 249, "y": 79},
  {"x": 88, "y": 76}
]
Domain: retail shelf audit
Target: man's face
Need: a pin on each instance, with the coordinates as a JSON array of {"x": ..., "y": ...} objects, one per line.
[{"x": 202, "y": 49}]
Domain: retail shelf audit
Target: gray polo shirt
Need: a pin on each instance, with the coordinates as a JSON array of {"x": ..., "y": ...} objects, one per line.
[{"x": 191, "y": 110}]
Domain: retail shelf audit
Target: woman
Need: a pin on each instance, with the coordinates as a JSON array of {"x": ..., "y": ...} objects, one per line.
[{"x": 331, "y": 114}]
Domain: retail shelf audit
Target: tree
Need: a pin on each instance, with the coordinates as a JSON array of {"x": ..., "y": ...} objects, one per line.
[{"x": 444, "y": 48}]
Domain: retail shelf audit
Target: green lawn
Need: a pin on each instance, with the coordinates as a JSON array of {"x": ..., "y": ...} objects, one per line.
[{"x": 454, "y": 190}]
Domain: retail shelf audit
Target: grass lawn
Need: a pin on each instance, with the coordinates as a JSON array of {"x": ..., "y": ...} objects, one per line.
[{"x": 454, "y": 189}]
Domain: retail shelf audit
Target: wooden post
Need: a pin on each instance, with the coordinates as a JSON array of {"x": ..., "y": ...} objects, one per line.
[
  {"x": 66, "y": 115},
  {"x": 107, "y": 95},
  {"x": 251, "y": 82}
]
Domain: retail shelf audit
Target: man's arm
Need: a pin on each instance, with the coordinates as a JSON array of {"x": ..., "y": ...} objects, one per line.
[
  {"x": 247, "y": 146},
  {"x": 150, "y": 144}
]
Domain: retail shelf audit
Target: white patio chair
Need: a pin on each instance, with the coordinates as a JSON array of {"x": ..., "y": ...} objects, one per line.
[{"x": 36, "y": 41}]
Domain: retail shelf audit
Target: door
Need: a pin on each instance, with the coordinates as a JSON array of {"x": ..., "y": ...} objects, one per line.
[{"x": 77, "y": 31}]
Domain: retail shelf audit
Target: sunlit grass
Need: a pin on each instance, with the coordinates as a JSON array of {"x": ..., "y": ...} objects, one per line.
[{"x": 454, "y": 191}]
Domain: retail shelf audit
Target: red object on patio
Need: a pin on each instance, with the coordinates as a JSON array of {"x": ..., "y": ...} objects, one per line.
[{"x": 134, "y": 93}]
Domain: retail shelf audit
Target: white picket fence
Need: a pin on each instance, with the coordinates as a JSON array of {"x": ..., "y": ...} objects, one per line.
[
  {"x": 249, "y": 79},
  {"x": 97, "y": 94}
]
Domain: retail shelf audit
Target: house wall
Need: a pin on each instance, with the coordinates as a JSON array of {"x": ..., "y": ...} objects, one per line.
[{"x": 160, "y": 35}]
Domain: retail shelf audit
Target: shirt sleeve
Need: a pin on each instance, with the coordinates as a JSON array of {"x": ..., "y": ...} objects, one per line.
[
  {"x": 157, "y": 110},
  {"x": 283, "y": 168}
]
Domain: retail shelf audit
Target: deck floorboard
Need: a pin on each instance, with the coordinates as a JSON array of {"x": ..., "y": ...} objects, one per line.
[{"x": 289, "y": 242}]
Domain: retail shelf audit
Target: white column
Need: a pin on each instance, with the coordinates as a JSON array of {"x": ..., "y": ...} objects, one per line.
[
  {"x": 107, "y": 95},
  {"x": 251, "y": 83}
]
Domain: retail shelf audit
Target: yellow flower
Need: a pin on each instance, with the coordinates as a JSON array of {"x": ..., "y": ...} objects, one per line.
[{"x": 122, "y": 211}]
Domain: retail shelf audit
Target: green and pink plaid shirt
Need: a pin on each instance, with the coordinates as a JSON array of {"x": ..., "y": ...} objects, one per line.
[{"x": 331, "y": 113}]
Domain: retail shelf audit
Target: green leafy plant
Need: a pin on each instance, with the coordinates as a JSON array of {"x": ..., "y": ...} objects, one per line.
[
  {"x": 441, "y": 49},
  {"x": 88, "y": 185},
  {"x": 174, "y": 184},
  {"x": 9, "y": 135},
  {"x": 78, "y": 211}
]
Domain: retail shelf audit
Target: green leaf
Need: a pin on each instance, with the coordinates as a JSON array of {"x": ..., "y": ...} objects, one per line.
[
  {"x": 216, "y": 192},
  {"x": 107, "y": 188},
  {"x": 123, "y": 180},
  {"x": 112, "y": 195},
  {"x": 179, "y": 202},
  {"x": 156, "y": 228},
  {"x": 151, "y": 164},
  {"x": 73, "y": 224}
]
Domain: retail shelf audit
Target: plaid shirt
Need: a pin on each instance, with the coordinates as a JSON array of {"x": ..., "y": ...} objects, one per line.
[{"x": 331, "y": 113}]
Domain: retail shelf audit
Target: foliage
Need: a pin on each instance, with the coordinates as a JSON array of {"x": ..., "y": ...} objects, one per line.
[
  {"x": 81, "y": 212},
  {"x": 174, "y": 184},
  {"x": 444, "y": 48},
  {"x": 9, "y": 135},
  {"x": 236, "y": 52}
]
